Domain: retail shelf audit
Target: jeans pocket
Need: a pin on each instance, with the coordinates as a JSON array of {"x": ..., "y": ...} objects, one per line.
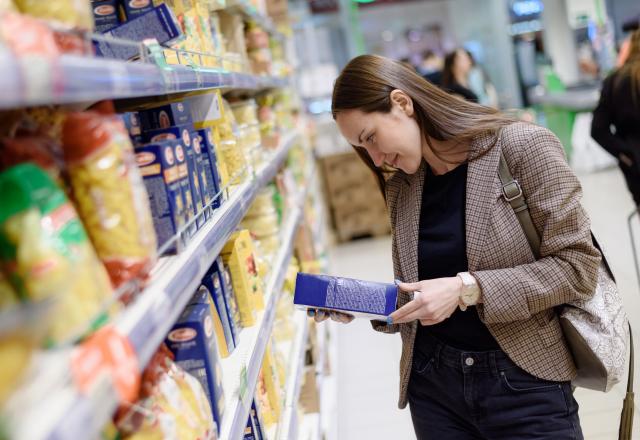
[
  {"x": 422, "y": 364},
  {"x": 519, "y": 381}
]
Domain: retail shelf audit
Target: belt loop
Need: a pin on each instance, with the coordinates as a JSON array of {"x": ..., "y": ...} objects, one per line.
[{"x": 493, "y": 364}]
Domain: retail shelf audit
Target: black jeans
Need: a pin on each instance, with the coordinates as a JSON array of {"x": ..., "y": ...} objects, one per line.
[{"x": 462, "y": 395}]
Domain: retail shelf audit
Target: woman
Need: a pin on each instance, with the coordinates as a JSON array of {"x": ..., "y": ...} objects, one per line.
[
  {"x": 483, "y": 352},
  {"x": 455, "y": 74},
  {"x": 619, "y": 107}
]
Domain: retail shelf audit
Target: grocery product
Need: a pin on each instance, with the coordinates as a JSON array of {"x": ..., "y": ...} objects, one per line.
[
  {"x": 202, "y": 167},
  {"x": 109, "y": 194},
  {"x": 193, "y": 344},
  {"x": 255, "y": 418},
  {"x": 135, "y": 8},
  {"x": 212, "y": 283},
  {"x": 34, "y": 149},
  {"x": 187, "y": 194},
  {"x": 76, "y": 13},
  {"x": 204, "y": 296},
  {"x": 159, "y": 24},
  {"x": 228, "y": 299},
  {"x": 168, "y": 115},
  {"x": 238, "y": 254},
  {"x": 365, "y": 299},
  {"x": 160, "y": 175},
  {"x": 45, "y": 252},
  {"x": 132, "y": 123},
  {"x": 271, "y": 387},
  {"x": 172, "y": 405},
  {"x": 105, "y": 14}
]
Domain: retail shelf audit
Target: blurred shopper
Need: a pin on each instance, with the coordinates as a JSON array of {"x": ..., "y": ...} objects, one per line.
[
  {"x": 480, "y": 84},
  {"x": 431, "y": 67},
  {"x": 616, "y": 120},
  {"x": 455, "y": 75},
  {"x": 483, "y": 352}
]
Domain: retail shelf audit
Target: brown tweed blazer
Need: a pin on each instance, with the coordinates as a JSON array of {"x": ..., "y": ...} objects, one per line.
[{"x": 519, "y": 293}]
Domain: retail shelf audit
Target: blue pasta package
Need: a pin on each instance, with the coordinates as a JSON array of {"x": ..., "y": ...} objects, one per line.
[
  {"x": 212, "y": 281},
  {"x": 231, "y": 307},
  {"x": 362, "y": 299}
]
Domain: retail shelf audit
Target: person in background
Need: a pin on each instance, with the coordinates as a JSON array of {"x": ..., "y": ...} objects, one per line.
[
  {"x": 431, "y": 67},
  {"x": 480, "y": 84},
  {"x": 455, "y": 75},
  {"x": 483, "y": 354},
  {"x": 616, "y": 120}
]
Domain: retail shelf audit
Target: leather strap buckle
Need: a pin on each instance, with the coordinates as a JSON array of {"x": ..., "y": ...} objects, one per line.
[{"x": 512, "y": 191}]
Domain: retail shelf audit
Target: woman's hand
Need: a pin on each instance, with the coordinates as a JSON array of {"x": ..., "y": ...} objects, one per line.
[
  {"x": 433, "y": 301},
  {"x": 323, "y": 315}
]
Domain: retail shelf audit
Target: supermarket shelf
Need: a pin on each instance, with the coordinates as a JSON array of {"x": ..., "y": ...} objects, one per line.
[
  {"x": 241, "y": 369},
  {"x": 68, "y": 414},
  {"x": 83, "y": 79},
  {"x": 147, "y": 322},
  {"x": 287, "y": 428},
  {"x": 310, "y": 427}
]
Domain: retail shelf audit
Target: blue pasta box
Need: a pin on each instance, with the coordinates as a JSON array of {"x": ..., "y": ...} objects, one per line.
[
  {"x": 210, "y": 165},
  {"x": 363, "y": 299},
  {"x": 212, "y": 282},
  {"x": 182, "y": 132},
  {"x": 229, "y": 300},
  {"x": 185, "y": 183},
  {"x": 159, "y": 170},
  {"x": 199, "y": 159},
  {"x": 255, "y": 416},
  {"x": 159, "y": 23},
  {"x": 194, "y": 169},
  {"x": 230, "y": 297},
  {"x": 165, "y": 116},
  {"x": 135, "y": 8},
  {"x": 193, "y": 343},
  {"x": 132, "y": 122},
  {"x": 105, "y": 14}
]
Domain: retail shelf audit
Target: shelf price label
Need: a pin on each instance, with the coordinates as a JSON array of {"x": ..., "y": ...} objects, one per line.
[
  {"x": 107, "y": 351},
  {"x": 243, "y": 388}
]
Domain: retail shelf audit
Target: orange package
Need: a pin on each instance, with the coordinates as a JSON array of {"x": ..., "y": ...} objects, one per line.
[{"x": 109, "y": 194}]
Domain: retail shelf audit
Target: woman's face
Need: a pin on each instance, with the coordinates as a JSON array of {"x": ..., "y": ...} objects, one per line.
[
  {"x": 393, "y": 138},
  {"x": 462, "y": 62}
]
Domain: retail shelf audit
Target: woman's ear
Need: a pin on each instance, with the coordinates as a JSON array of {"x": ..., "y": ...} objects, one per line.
[{"x": 402, "y": 101}]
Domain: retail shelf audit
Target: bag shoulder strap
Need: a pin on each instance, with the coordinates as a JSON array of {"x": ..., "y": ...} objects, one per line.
[{"x": 512, "y": 193}]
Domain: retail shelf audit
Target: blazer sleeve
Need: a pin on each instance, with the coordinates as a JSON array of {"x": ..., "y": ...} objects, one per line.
[
  {"x": 391, "y": 196},
  {"x": 568, "y": 264}
]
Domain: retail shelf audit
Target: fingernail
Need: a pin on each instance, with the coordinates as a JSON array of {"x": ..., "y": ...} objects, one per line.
[
  {"x": 311, "y": 312},
  {"x": 389, "y": 320},
  {"x": 397, "y": 282}
]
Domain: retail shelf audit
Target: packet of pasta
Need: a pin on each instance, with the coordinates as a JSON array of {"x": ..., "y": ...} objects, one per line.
[{"x": 109, "y": 194}]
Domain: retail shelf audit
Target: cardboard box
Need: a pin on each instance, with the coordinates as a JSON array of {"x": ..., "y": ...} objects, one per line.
[
  {"x": 210, "y": 165},
  {"x": 185, "y": 184},
  {"x": 159, "y": 170},
  {"x": 182, "y": 132},
  {"x": 363, "y": 299},
  {"x": 135, "y": 8},
  {"x": 165, "y": 116},
  {"x": 194, "y": 167},
  {"x": 105, "y": 14},
  {"x": 192, "y": 342},
  {"x": 204, "y": 296},
  {"x": 160, "y": 24},
  {"x": 201, "y": 170},
  {"x": 211, "y": 281},
  {"x": 132, "y": 122},
  {"x": 218, "y": 269}
]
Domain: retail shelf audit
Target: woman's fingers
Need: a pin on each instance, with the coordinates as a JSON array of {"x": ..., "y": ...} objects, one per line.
[
  {"x": 399, "y": 315},
  {"x": 323, "y": 315},
  {"x": 408, "y": 287}
]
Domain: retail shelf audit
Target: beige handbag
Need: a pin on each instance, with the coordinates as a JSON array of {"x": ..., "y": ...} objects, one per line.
[{"x": 596, "y": 329}]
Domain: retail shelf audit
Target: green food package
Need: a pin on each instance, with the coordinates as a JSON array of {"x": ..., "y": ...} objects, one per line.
[{"x": 45, "y": 252}]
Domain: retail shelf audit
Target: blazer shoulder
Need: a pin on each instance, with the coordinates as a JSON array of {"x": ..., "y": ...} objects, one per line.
[{"x": 522, "y": 138}]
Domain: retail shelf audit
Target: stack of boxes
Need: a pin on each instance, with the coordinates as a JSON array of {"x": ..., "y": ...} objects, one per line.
[{"x": 356, "y": 203}]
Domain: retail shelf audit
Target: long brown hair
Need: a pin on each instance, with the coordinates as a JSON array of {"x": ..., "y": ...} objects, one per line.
[
  {"x": 631, "y": 67},
  {"x": 366, "y": 84}
]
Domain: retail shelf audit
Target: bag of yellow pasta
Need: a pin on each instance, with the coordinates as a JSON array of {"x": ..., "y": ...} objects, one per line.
[
  {"x": 45, "y": 253},
  {"x": 109, "y": 193},
  {"x": 77, "y": 13}
]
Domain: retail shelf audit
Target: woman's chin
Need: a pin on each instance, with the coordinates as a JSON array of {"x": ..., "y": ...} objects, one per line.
[{"x": 409, "y": 169}]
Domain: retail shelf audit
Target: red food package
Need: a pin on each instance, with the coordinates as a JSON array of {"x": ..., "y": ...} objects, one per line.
[
  {"x": 109, "y": 193},
  {"x": 34, "y": 149}
]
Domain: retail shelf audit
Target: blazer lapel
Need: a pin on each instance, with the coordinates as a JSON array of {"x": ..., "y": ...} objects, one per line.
[
  {"x": 409, "y": 209},
  {"x": 482, "y": 176}
]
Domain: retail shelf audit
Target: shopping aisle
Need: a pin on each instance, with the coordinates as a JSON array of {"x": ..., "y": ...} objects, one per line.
[{"x": 368, "y": 361}]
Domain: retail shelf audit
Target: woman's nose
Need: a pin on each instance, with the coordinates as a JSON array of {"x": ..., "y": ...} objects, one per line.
[{"x": 377, "y": 157}]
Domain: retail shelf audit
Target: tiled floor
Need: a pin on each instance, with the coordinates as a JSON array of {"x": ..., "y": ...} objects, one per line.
[{"x": 368, "y": 361}]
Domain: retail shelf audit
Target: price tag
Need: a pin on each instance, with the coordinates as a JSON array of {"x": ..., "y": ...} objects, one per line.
[
  {"x": 110, "y": 352},
  {"x": 243, "y": 388}
]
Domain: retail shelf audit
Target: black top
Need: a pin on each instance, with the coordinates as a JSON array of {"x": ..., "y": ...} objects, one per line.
[
  {"x": 442, "y": 253},
  {"x": 619, "y": 108},
  {"x": 458, "y": 89}
]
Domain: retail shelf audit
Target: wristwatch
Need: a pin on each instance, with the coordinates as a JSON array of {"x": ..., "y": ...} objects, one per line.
[{"x": 470, "y": 293}]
